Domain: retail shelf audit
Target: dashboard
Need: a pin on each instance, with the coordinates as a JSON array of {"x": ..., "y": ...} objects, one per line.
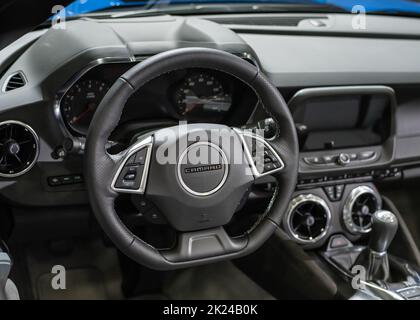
[{"x": 347, "y": 107}]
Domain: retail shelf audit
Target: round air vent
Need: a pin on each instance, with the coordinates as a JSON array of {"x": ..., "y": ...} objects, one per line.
[
  {"x": 308, "y": 218},
  {"x": 18, "y": 148},
  {"x": 360, "y": 205}
]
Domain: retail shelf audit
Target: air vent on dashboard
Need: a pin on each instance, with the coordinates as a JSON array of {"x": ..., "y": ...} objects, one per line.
[
  {"x": 14, "y": 81},
  {"x": 18, "y": 148},
  {"x": 360, "y": 205},
  {"x": 308, "y": 218}
]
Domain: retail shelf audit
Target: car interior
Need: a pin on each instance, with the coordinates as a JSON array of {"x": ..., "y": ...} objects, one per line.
[{"x": 332, "y": 212}]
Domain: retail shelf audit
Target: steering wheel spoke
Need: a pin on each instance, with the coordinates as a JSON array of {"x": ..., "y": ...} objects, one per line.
[
  {"x": 197, "y": 245},
  {"x": 133, "y": 168},
  {"x": 262, "y": 157}
]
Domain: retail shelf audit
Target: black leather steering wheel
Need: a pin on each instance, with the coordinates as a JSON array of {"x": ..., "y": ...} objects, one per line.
[{"x": 197, "y": 200}]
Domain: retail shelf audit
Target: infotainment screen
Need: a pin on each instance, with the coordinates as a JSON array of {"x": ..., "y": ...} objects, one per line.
[{"x": 343, "y": 121}]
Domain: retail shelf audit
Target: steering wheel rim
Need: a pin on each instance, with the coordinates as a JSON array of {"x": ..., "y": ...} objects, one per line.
[{"x": 99, "y": 164}]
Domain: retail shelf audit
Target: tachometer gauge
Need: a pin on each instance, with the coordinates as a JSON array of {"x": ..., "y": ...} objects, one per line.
[
  {"x": 80, "y": 102},
  {"x": 202, "y": 97}
]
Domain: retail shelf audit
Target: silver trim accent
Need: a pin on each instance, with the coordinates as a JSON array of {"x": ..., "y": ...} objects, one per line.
[
  {"x": 145, "y": 143},
  {"x": 383, "y": 294},
  {"x": 35, "y": 135},
  {"x": 343, "y": 159},
  {"x": 224, "y": 178},
  {"x": 248, "y": 154},
  {"x": 348, "y": 207},
  {"x": 6, "y": 82},
  {"x": 297, "y": 201},
  {"x": 377, "y": 254}
]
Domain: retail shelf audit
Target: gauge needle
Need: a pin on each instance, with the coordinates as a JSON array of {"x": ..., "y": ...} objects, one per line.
[
  {"x": 193, "y": 101},
  {"x": 91, "y": 107}
]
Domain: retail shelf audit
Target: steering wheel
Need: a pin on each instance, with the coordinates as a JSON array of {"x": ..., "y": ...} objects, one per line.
[{"x": 166, "y": 166}]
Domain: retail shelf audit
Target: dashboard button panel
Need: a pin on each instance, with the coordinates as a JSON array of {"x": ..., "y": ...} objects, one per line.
[
  {"x": 351, "y": 177},
  {"x": 366, "y": 155},
  {"x": 56, "y": 181},
  {"x": 334, "y": 192},
  {"x": 341, "y": 159}
]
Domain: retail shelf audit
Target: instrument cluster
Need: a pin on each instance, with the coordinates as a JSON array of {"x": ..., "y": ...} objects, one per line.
[{"x": 192, "y": 95}]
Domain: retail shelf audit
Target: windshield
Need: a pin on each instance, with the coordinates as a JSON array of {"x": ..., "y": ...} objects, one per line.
[{"x": 401, "y": 7}]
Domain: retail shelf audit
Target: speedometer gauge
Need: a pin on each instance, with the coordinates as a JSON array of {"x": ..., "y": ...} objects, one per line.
[
  {"x": 202, "y": 97},
  {"x": 80, "y": 102}
]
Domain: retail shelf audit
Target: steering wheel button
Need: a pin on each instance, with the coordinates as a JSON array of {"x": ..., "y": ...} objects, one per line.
[
  {"x": 141, "y": 156},
  {"x": 130, "y": 176},
  {"x": 131, "y": 169},
  {"x": 269, "y": 167},
  {"x": 125, "y": 184},
  {"x": 131, "y": 159}
]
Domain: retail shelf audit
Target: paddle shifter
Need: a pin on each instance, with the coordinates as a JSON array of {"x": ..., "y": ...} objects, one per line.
[{"x": 375, "y": 258}]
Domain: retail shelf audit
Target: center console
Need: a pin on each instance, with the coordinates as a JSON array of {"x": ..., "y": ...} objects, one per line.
[
  {"x": 347, "y": 142},
  {"x": 346, "y": 137}
]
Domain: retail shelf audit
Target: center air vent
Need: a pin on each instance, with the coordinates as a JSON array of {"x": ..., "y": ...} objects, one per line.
[
  {"x": 18, "y": 148},
  {"x": 308, "y": 218},
  {"x": 360, "y": 205},
  {"x": 15, "y": 81}
]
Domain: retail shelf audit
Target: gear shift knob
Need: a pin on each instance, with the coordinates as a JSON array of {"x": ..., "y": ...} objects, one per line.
[{"x": 384, "y": 227}]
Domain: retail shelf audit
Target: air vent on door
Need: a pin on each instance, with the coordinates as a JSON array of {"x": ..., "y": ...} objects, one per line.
[
  {"x": 359, "y": 207},
  {"x": 19, "y": 148},
  {"x": 308, "y": 218},
  {"x": 15, "y": 81}
]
